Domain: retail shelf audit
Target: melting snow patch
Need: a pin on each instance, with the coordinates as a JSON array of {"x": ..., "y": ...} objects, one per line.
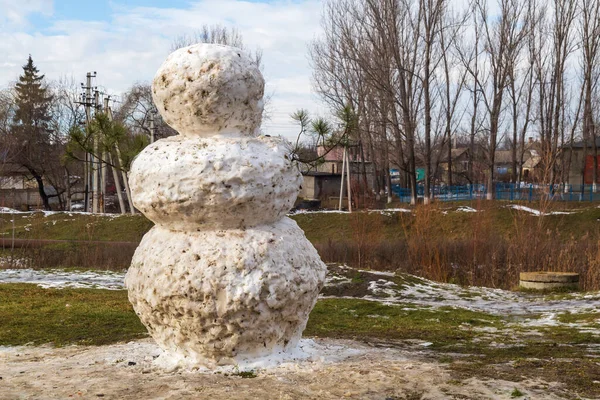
[
  {"x": 384, "y": 211},
  {"x": 381, "y": 286},
  {"x": 6, "y": 210},
  {"x": 318, "y": 212},
  {"x": 537, "y": 212},
  {"x": 58, "y": 279},
  {"x": 392, "y": 210},
  {"x": 466, "y": 209},
  {"x": 306, "y": 352}
]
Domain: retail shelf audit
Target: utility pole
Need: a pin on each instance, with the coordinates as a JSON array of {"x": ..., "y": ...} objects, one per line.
[
  {"x": 110, "y": 160},
  {"x": 88, "y": 167},
  {"x": 342, "y": 180},
  {"x": 97, "y": 164}
]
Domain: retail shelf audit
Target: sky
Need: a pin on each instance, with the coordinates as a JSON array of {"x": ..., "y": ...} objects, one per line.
[{"x": 125, "y": 41}]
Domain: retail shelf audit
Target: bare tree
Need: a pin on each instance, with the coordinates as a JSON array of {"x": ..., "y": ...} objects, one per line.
[
  {"x": 590, "y": 43},
  {"x": 502, "y": 40},
  {"x": 137, "y": 108},
  {"x": 217, "y": 34}
]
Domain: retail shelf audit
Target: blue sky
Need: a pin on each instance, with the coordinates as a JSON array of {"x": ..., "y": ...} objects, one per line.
[{"x": 125, "y": 41}]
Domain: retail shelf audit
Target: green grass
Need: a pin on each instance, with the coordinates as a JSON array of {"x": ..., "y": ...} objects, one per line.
[
  {"x": 361, "y": 319},
  {"x": 567, "y": 318},
  {"x": 126, "y": 228},
  {"x": 29, "y": 314}
]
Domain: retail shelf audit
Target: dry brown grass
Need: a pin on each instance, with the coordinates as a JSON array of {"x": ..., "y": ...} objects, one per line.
[{"x": 481, "y": 256}]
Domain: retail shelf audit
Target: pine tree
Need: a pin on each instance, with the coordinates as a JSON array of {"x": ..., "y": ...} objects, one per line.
[
  {"x": 33, "y": 101},
  {"x": 31, "y": 126}
]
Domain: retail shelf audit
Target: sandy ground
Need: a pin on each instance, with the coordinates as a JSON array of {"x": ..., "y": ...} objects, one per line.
[{"x": 337, "y": 369}]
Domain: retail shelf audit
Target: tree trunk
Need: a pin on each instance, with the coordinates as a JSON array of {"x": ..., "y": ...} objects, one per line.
[
  {"x": 117, "y": 185},
  {"x": 125, "y": 180},
  {"x": 40, "y": 182}
]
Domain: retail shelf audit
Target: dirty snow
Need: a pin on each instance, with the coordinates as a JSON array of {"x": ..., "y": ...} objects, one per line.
[
  {"x": 58, "y": 278},
  {"x": 334, "y": 369},
  {"x": 538, "y": 212},
  {"x": 6, "y": 210},
  {"x": 381, "y": 211},
  {"x": 529, "y": 310},
  {"x": 320, "y": 368},
  {"x": 466, "y": 209},
  {"x": 481, "y": 299},
  {"x": 382, "y": 288}
]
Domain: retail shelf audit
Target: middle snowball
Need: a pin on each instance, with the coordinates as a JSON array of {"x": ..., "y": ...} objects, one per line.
[{"x": 214, "y": 183}]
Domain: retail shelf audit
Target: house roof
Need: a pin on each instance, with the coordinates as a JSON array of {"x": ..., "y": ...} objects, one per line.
[
  {"x": 455, "y": 154},
  {"x": 532, "y": 162},
  {"x": 579, "y": 145},
  {"x": 503, "y": 157}
]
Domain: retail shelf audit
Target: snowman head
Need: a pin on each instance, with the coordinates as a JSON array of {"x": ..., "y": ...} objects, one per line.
[{"x": 210, "y": 90}]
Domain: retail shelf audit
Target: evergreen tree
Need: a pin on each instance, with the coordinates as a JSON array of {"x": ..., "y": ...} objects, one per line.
[
  {"x": 33, "y": 101},
  {"x": 33, "y": 145}
]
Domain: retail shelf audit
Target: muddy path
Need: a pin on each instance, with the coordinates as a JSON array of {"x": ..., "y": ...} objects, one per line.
[{"x": 342, "y": 369}]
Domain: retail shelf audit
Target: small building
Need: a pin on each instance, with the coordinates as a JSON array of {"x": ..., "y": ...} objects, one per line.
[
  {"x": 18, "y": 190},
  {"x": 460, "y": 166},
  {"x": 322, "y": 179},
  {"x": 320, "y": 186},
  {"x": 581, "y": 171}
]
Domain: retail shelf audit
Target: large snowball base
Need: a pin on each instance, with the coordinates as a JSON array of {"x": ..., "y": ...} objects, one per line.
[{"x": 218, "y": 297}]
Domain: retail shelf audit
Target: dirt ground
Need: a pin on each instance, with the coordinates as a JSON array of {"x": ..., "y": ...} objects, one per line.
[{"x": 337, "y": 369}]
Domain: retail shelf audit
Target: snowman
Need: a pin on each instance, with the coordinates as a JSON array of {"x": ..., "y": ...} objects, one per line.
[{"x": 224, "y": 275}]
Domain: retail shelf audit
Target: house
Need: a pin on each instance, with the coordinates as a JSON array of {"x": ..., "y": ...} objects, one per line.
[
  {"x": 531, "y": 169},
  {"x": 581, "y": 171},
  {"x": 18, "y": 190},
  {"x": 322, "y": 186},
  {"x": 460, "y": 166},
  {"x": 322, "y": 179}
]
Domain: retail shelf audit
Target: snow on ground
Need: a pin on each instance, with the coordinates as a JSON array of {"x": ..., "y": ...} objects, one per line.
[
  {"x": 382, "y": 211},
  {"x": 527, "y": 310},
  {"x": 466, "y": 209},
  {"x": 58, "y": 278},
  {"x": 538, "y": 212},
  {"x": 318, "y": 212},
  {"x": 389, "y": 210},
  {"x": 381, "y": 287},
  {"x": 493, "y": 301},
  {"x": 334, "y": 369},
  {"x": 320, "y": 368},
  {"x": 307, "y": 350},
  {"x": 6, "y": 210}
]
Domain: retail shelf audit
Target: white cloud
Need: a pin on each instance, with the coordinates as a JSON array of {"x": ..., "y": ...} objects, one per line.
[
  {"x": 134, "y": 42},
  {"x": 14, "y": 13}
]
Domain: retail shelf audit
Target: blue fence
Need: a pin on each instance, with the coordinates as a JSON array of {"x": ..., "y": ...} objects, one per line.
[{"x": 505, "y": 191}]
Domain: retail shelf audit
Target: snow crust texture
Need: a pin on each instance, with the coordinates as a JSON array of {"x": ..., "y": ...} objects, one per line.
[
  {"x": 189, "y": 183},
  {"x": 224, "y": 276},
  {"x": 205, "y": 90}
]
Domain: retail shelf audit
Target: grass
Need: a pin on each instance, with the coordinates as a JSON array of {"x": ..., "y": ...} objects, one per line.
[
  {"x": 361, "y": 319},
  {"x": 319, "y": 228},
  {"x": 567, "y": 318},
  {"x": 486, "y": 248},
  {"x": 29, "y": 314},
  {"x": 65, "y": 226}
]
